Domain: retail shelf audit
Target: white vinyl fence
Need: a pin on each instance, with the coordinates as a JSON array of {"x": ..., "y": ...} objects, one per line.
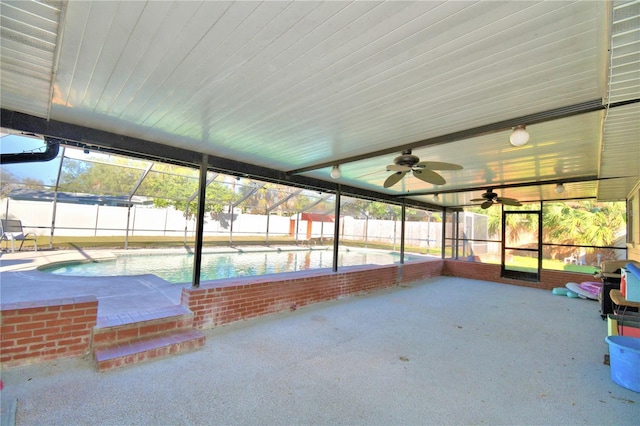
[{"x": 80, "y": 220}]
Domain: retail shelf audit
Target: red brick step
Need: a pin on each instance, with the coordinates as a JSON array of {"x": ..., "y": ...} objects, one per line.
[
  {"x": 124, "y": 339},
  {"x": 144, "y": 349}
]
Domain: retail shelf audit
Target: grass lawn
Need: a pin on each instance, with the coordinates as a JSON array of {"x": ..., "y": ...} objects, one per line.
[
  {"x": 530, "y": 264},
  {"x": 45, "y": 242}
]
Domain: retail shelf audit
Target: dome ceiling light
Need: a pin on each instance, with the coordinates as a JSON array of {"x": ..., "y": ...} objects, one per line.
[
  {"x": 335, "y": 172},
  {"x": 519, "y": 136}
]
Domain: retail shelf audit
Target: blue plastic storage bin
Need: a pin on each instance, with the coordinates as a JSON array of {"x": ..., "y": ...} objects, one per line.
[{"x": 624, "y": 358}]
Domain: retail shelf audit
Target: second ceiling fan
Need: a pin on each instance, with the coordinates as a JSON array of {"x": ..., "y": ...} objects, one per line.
[
  {"x": 489, "y": 198},
  {"x": 423, "y": 170}
]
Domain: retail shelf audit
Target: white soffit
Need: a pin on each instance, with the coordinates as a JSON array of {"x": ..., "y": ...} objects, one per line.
[
  {"x": 624, "y": 83},
  {"x": 287, "y": 85},
  {"x": 620, "y": 152},
  {"x": 290, "y": 84},
  {"x": 29, "y": 36}
]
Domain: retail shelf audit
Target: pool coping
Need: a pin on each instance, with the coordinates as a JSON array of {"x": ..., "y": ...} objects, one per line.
[
  {"x": 29, "y": 260},
  {"x": 44, "y": 260},
  {"x": 23, "y": 281}
]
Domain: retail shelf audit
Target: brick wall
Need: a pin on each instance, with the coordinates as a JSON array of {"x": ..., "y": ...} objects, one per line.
[
  {"x": 58, "y": 328},
  {"x": 491, "y": 272},
  {"x": 215, "y": 304},
  {"x": 416, "y": 271},
  {"x": 43, "y": 330}
]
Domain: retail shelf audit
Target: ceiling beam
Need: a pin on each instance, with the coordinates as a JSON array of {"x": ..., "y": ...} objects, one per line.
[
  {"x": 540, "y": 117},
  {"x": 102, "y": 141},
  {"x": 557, "y": 181}
]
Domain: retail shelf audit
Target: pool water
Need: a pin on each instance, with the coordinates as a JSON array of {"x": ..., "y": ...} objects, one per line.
[{"x": 178, "y": 268}]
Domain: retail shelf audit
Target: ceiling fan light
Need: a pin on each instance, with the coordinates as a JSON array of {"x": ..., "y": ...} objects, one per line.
[
  {"x": 519, "y": 136},
  {"x": 559, "y": 188},
  {"x": 335, "y": 172},
  {"x": 436, "y": 198}
]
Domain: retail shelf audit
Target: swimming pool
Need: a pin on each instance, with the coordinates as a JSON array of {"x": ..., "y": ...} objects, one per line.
[{"x": 178, "y": 267}]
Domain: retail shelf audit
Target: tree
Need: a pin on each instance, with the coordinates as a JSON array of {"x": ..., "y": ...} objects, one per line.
[
  {"x": 32, "y": 183},
  {"x": 98, "y": 178},
  {"x": 166, "y": 184},
  {"x": 356, "y": 207},
  {"x": 373, "y": 209},
  {"x": 8, "y": 182},
  {"x": 180, "y": 192},
  {"x": 583, "y": 223}
]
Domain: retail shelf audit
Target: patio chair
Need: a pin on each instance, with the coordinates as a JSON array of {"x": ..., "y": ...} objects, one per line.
[{"x": 12, "y": 231}]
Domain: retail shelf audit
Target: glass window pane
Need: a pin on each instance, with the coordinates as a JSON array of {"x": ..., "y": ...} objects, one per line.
[
  {"x": 94, "y": 175},
  {"x": 521, "y": 260},
  {"x": 423, "y": 232}
]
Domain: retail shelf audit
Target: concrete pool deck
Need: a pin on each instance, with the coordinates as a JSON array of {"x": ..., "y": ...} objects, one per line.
[
  {"x": 21, "y": 281},
  {"x": 438, "y": 351}
]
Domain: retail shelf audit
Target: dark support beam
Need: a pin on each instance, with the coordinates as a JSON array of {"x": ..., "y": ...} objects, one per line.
[
  {"x": 512, "y": 185},
  {"x": 540, "y": 238},
  {"x": 541, "y": 117},
  {"x": 202, "y": 189},
  {"x": 455, "y": 236},
  {"x": 336, "y": 231},
  {"x": 443, "y": 236},
  {"x": 403, "y": 217},
  {"x": 101, "y": 141}
]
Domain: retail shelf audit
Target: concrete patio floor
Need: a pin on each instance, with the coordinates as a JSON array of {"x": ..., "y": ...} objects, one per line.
[{"x": 438, "y": 351}]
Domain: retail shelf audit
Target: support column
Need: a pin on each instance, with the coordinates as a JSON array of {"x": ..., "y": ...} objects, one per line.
[
  {"x": 202, "y": 189},
  {"x": 443, "y": 237},
  {"x": 336, "y": 230},
  {"x": 402, "y": 219}
]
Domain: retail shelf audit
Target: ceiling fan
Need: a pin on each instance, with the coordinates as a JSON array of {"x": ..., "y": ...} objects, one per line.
[
  {"x": 423, "y": 170},
  {"x": 489, "y": 198}
]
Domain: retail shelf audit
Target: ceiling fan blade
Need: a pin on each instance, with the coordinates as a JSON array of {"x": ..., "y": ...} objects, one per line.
[
  {"x": 475, "y": 200},
  {"x": 486, "y": 204},
  {"x": 393, "y": 179},
  {"x": 429, "y": 176},
  {"x": 509, "y": 201},
  {"x": 437, "y": 165},
  {"x": 398, "y": 168}
]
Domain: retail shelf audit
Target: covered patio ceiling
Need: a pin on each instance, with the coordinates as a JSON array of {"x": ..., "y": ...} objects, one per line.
[{"x": 293, "y": 88}]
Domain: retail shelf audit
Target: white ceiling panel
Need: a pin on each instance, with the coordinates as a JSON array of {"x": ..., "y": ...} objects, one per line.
[
  {"x": 365, "y": 75},
  {"x": 28, "y": 37},
  {"x": 560, "y": 149},
  {"x": 620, "y": 155},
  {"x": 303, "y": 85},
  {"x": 625, "y": 52}
]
